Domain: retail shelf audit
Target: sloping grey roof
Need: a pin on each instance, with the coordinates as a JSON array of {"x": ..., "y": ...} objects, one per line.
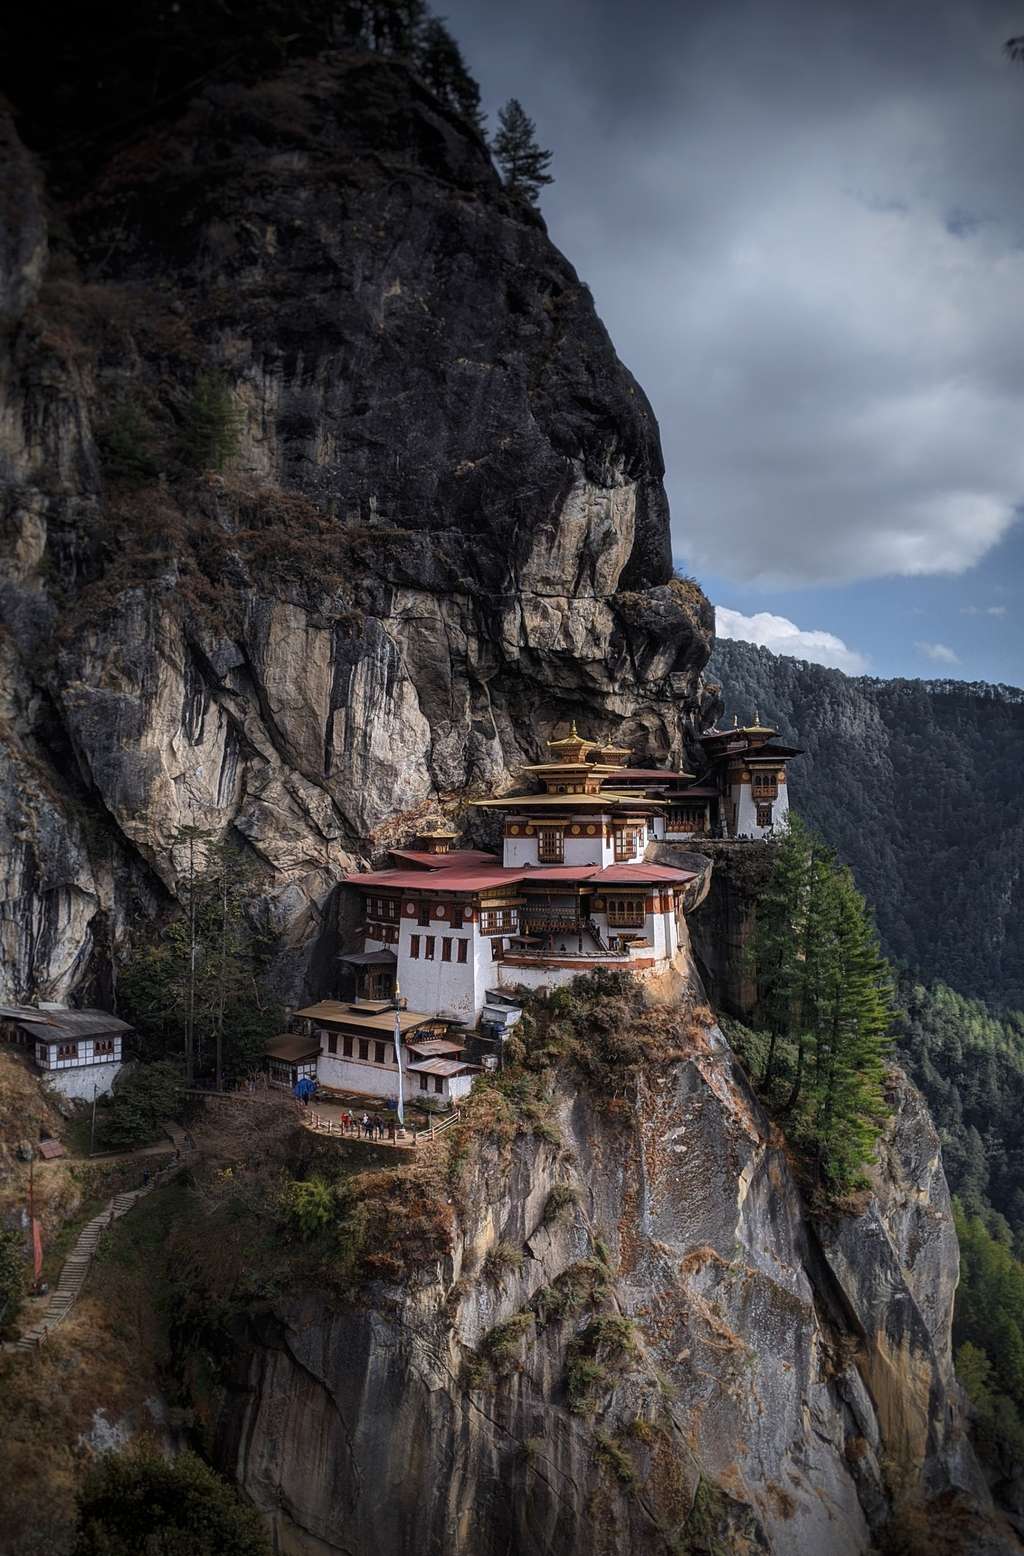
[
  {"x": 293, "y": 1048},
  {"x": 370, "y": 958},
  {"x": 54, "y": 1026},
  {"x": 441, "y": 1067}
]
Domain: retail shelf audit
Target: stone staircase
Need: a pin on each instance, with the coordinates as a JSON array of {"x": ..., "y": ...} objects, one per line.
[{"x": 76, "y": 1267}]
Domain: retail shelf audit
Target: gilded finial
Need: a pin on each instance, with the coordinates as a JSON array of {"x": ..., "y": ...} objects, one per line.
[
  {"x": 757, "y": 716},
  {"x": 574, "y": 732},
  {"x": 735, "y": 721}
]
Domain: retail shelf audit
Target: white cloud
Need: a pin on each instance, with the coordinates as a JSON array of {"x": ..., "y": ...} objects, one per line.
[
  {"x": 939, "y": 652},
  {"x": 983, "y": 610},
  {"x": 785, "y": 637}
]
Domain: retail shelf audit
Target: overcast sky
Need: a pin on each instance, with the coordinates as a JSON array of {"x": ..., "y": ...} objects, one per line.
[{"x": 804, "y": 227}]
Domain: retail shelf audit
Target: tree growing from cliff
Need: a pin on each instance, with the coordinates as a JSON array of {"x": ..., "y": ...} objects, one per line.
[
  {"x": 146, "y": 1097},
  {"x": 13, "y": 1276},
  {"x": 523, "y": 162},
  {"x": 140, "y": 1502},
  {"x": 385, "y": 26},
  {"x": 439, "y": 61},
  {"x": 192, "y": 988},
  {"x": 211, "y": 428},
  {"x": 824, "y": 1004},
  {"x": 988, "y": 1331}
]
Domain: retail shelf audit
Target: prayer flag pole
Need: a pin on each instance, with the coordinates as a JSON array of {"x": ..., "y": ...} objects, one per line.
[{"x": 398, "y": 1054}]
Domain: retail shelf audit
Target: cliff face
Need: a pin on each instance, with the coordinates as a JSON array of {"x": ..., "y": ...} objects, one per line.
[
  {"x": 776, "y": 1389},
  {"x": 942, "y": 873},
  {"x": 438, "y": 528}
]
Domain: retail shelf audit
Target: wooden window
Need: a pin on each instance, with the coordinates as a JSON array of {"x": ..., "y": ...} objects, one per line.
[
  {"x": 497, "y": 948},
  {"x": 492, "y": 919},
  {"x": 332, "y": 1042},
  {"x": 430, "y": 948},
  {"x": 67, "y": 1051},
  {"x": 102, "y": 1046},
  {"x": 626, "y": 913},
  {"x": 364, "y": 1048},
  {"x": 463, "y": 950},
  {"x": 423, "y": 915},
  {"x": 625, "y": 843},
  {"x": 551, "y": 845},
  {"x": 424, "y": 1082},
  {"x": 764, "y": 783},
  {"x": 446, "y": 949},
  {"x": 346, "y": 1047},
  {"x": 378, "y": 1053},
  {"x": 414, "y": 946},
  {"x": 387, "y": 908},
  {"x": 438, "y": 1084},
  {"x": 764, "y": 815},
  {"x": 686, "y": 818}
]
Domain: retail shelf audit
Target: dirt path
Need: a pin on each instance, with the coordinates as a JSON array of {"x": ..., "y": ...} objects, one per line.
[{"x": 76, "y": 1267}]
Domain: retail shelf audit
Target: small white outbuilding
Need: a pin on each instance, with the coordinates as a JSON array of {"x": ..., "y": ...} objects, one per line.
[{"x": 79, "y": 1051}]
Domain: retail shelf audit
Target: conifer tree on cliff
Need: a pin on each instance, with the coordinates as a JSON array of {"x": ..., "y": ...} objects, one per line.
[
  {"x": 824, "y": 1002},
  {"x": 385, "y": 26},
  {"x": 439, "y": 61},
  {"x": 523, "y": 163}
]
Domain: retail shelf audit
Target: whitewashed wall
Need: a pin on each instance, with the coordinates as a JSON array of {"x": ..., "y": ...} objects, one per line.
[{"x": 76, "y": 1081}]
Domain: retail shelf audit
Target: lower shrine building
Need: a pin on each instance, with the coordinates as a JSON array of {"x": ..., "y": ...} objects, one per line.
[
  {"x": 354, "y": 1045},
  {"x": 79, "y": 1052}
]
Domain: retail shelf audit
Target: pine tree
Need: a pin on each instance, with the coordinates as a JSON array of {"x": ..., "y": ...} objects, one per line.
[
  {"x": 851, "y": 1040},
  {"x": 523, "y": 163},
  {"x": 439, "y": 61},
  {"x": 385, "y": 26},
  {"x": 773, "y": 950},
  {"x": 194, "y": 987},
  {"x": 824, "y": 1000}
]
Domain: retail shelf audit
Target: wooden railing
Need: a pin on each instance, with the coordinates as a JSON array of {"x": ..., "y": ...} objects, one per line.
[{"x": 329, "y": 1126}]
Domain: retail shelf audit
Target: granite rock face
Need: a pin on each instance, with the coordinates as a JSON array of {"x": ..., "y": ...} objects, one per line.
[
  {"x": 428, "y": 528},
  {"x": 787, "y": 1393}
]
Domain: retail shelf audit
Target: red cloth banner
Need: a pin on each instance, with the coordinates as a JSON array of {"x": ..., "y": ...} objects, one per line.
[{"x": 37, "y": 1248}]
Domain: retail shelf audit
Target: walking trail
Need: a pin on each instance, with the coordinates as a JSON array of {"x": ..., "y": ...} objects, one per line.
[{"x": 76, "y": 1268}]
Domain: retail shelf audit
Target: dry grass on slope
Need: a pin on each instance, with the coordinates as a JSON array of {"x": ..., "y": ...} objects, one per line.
[{"x": 102, "y": 1374}]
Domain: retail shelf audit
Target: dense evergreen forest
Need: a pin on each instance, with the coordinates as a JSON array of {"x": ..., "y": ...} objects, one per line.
[
  {"x": 916, "y": 785},
  {"x": 969, "y": 1063}
]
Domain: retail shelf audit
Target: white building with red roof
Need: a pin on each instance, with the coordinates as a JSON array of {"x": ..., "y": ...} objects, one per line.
[
  {"x": 456, "y": 930},
  {"x": 573, "y": 891}
]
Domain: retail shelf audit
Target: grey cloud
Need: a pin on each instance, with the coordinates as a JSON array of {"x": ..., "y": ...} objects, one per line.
[{"x": 804, "y": 227}]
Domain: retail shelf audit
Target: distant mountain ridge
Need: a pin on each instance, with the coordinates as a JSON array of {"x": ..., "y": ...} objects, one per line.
[{"x": 918, "y": 785}]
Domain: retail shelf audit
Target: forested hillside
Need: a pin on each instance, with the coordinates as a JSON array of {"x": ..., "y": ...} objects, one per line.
[
  {"x": 917, "y": 786},
  {"x": 970, "y": 1065}
]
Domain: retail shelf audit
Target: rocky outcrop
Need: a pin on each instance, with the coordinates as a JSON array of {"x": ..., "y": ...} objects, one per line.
[
  {"x": 774, "y": 1388},
  {"x": 721, "y": 929},
  {"x": 944, "y": 879},
  {"x": 325, "y": 499}
]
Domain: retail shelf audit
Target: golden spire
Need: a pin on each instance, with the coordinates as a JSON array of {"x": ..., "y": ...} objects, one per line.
[{"x": 735, "y": 721}]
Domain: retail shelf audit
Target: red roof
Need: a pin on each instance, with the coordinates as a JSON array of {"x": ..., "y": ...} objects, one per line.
[
  {"x": 471, "y": 878},
  {"x": 457, "y": 857},
  {"x": 484, "y": 876},
  {"x": 639, "y": 875}
]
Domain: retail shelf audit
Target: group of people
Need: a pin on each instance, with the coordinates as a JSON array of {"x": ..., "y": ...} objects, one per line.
[{"x": 371, "y": 1126}]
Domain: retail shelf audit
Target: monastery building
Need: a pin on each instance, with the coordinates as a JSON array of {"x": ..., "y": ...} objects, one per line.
[{"x": 459, "y": 930}]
